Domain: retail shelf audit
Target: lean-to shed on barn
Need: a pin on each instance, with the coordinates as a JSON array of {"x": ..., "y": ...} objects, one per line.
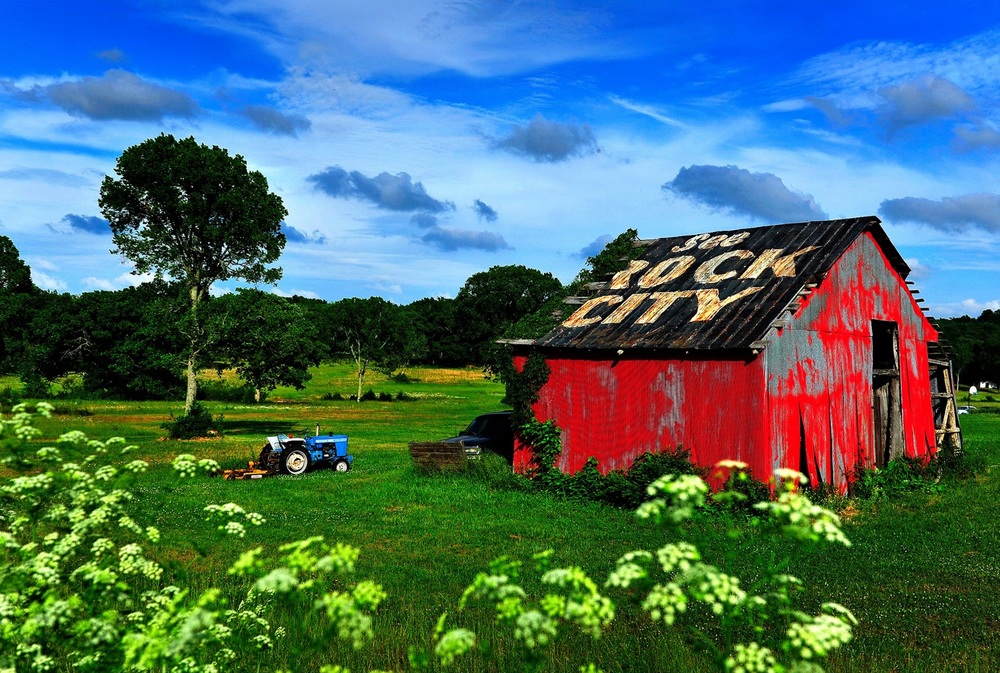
[{"x": 793, "y": 345}]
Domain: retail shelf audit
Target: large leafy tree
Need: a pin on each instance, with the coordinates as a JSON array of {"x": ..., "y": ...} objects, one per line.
[
  {"x": 491, "y": 301},
  {"x": 17, "y": 298},
  {"x": 196, "y": 214},
  {"x": 268, "y": 339},
  {"x": 374, "y": 333},
  {"x": 435, "y": 318}
]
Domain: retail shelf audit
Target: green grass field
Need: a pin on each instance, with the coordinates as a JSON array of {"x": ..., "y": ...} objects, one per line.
[{"x": 923, "y": 574}]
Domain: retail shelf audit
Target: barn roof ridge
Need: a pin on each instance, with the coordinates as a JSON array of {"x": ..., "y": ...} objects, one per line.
[{"x": 719, "y": 290}]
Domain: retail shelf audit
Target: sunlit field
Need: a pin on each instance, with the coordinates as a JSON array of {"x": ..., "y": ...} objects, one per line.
[{"x": 923, "y": 574}]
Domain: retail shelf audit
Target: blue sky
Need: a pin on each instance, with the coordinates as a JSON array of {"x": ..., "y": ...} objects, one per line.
[{"x": 417, "y": 142}]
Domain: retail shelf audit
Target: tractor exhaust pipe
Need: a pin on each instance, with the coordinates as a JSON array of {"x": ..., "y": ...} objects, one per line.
[{"x": 317, "y": 429}]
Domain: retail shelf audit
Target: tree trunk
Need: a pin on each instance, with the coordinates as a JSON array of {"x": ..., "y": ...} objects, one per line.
[
  {"x": 256, "y": 395},
  {"x": 192, "y": 380},
  {"x": 192, "y": 383}
]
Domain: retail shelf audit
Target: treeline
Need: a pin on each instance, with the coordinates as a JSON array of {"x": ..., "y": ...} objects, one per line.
[
  {"x": 132, "y": 343},
  {"x": 975, "y": 346}
]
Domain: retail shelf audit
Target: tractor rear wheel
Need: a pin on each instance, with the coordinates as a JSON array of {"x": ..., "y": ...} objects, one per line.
[
  {"x": 295, "y": 461},
  {"x": 341, "y": 466}
]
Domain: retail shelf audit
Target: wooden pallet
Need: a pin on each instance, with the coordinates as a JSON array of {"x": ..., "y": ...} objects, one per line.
[{"x": 438, "y": 456}]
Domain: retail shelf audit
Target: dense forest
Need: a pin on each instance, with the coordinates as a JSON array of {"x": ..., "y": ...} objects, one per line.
[
  {"x": 132, "y": 343},
  {"x": 974, "y": 345}
]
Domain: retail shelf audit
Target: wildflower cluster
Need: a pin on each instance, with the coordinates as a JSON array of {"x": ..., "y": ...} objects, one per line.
[
  {"x": 688, "y": 580},
  {"x": 80, "y": 589},
  {"x": 573, "y": 601}
]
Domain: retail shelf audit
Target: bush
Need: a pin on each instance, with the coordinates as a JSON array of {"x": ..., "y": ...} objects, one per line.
[
  {"x": 618, "y": 488},
  {"x": 898, "y": 476},
  {"x": 385, "y": 397},
  {"x": 337, "y": 397},
  {"x": 8, "y": 398},
  {"x": 196, "y": 423},
  {"x": 369, "y": 396},
  {"x": 403, "y": 397}
]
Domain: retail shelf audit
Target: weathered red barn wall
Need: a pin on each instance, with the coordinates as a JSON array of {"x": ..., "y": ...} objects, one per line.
[
  {"x": 820, "y": 369},
  {"x": 812, "y": 381},
  {"x": 618, "y": 409}
]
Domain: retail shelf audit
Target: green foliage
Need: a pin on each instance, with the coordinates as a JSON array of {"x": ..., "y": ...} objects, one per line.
[
  {"x": 974, "y": 344},
  {"x": 374, "y": 333},
  {"x": 619, "y": 488},
  {"x": 898, "y": 476},
  {"x": 522, "y": 388},
  {"x": 8, "y": 398},
  {"x": 198, "y": 215},
  {"x": 491, "y": 301},
  {"x": 758, "y": 628},
  {"x": 197, "y": 422},
  {"x": 267, "y": 339},
  {"x": 80, "y": 592},
  {"x": 613, "y": 258}
]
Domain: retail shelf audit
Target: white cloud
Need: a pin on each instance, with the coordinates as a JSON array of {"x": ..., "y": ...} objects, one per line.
[
  {"x": 47, "y": 282},
  {"x": 478, "y": 37},
  {"x": 851, "y": 74}
]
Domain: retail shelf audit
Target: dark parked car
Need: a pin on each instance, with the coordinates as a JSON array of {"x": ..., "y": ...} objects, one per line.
[{"x": 492, "y": 432}]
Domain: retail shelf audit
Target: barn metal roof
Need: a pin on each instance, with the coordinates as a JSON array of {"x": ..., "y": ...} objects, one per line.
[{"x": 717, "y": 290}]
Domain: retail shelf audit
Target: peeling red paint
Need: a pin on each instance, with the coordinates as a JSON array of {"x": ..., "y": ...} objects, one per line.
[{"x": 805, "y": 401}]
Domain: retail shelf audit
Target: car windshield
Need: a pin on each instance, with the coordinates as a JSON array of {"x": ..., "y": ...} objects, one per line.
[{"x": 477, "y": 427}]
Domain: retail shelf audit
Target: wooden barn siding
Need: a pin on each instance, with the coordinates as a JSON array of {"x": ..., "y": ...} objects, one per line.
[
  {"x": 819, "y": 369},
  {"x": 616, "y": 410}
]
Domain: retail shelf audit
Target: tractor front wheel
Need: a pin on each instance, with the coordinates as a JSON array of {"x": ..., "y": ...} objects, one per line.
[
  {"x": 341, "y": 466},
  {"x": 295, "y": 461}
]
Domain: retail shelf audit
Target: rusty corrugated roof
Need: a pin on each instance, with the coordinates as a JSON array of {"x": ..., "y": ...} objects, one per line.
[{"x": 717, "y": 290}]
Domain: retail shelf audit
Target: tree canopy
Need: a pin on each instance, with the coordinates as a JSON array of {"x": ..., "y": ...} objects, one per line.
[
  {"x": 374, "y": 333},
  {"x": 268, "y": 340},
  {"x": 196, "y": 214}
]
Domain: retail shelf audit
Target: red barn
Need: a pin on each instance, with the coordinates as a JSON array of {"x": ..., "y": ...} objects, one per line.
[{"x": 793, "y": 345}]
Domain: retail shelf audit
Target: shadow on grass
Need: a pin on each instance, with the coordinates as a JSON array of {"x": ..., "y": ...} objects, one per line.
[{"x": 265, "y": 428}]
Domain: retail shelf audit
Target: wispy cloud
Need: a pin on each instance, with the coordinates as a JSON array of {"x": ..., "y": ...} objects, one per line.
[
  {"x": 391, "y": 192},
  {"x": 647, "y": 110},
  {"x": 981, "y": 136},
  {"x": 111, "y": 55},
  {"x": 477, "y": 38},
  {"x": 738, "y": 191},
  {"x": 851, "y": 74},
  {"x": 46, "y": 175},
  {"x": 274, "y": 121},
  {"x": 950, "y": 213}
]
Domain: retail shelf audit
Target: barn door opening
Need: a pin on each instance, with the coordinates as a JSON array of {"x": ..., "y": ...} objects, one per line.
[{"x": 887, "y": 406}]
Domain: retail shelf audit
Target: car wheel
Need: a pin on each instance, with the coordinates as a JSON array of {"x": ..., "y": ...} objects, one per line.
[
  {"x": 341, "y": 466},
  {"x": 295, "y": 461}
]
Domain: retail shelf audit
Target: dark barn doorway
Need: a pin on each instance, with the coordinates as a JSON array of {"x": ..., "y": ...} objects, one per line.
[{"x": 886, "y": 395}]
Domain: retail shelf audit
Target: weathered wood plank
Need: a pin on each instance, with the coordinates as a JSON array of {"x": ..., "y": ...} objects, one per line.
[{"x": 438, "y": 456}]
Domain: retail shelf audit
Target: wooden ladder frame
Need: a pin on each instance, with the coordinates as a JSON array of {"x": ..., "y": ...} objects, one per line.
[{"x": 944, "y": 403}]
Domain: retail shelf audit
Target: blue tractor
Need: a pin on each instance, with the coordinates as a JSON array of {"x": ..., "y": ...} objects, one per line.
[{"x": 295, "y": 455}]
